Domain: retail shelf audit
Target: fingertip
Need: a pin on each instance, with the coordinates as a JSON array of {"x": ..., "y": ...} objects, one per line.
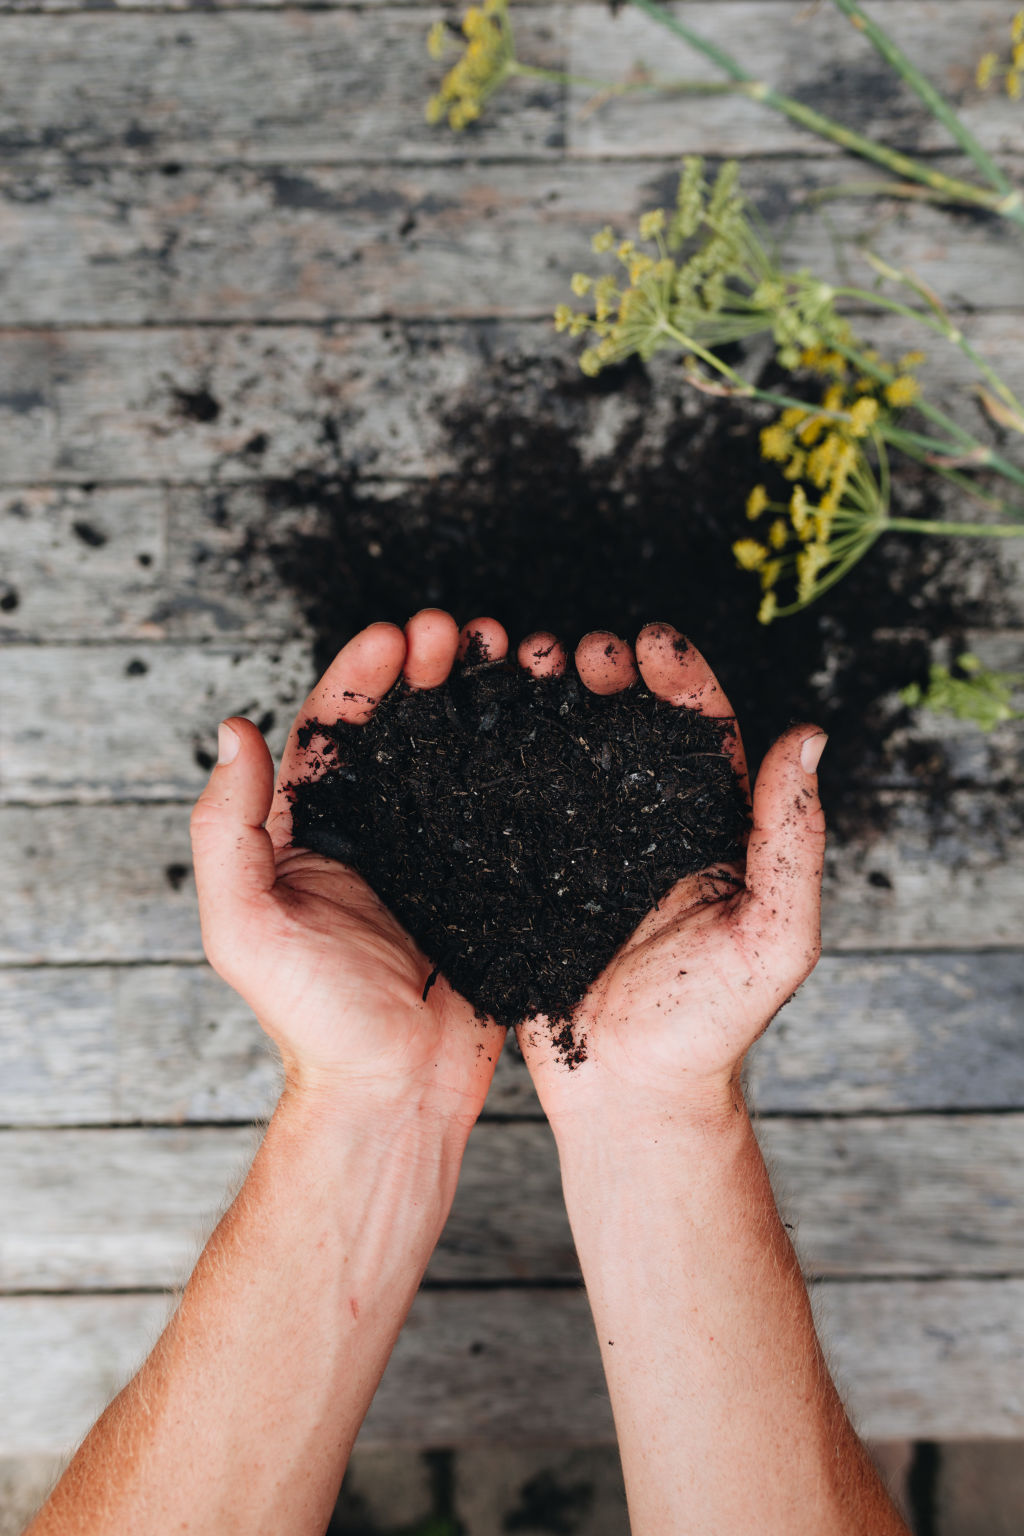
[
  {"x": 542, "y": 654},
  {"x": 482, "y": 640},
  {"x": 432, "y": 639},
  {"x": 605, "y": 663},
  {"x": 811, "y": 749}
]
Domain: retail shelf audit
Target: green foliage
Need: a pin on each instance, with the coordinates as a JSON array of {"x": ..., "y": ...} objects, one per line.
[{"x": 979, "y": 695}]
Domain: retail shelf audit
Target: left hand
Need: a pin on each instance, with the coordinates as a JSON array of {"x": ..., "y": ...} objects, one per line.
[{"x": 330, "y": 974}]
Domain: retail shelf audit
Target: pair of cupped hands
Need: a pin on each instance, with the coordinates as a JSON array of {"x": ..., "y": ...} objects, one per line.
[{"x": 338, "y": 985}]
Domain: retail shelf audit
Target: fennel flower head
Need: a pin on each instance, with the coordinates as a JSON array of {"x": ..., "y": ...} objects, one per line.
[{"x": 485, "y": 62}]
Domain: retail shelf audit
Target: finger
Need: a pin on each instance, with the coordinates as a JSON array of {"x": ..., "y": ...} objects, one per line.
[
  {"x": 605, "y": 663},
  {"x": 233, "y": 854},
  {"x": 358, "y": 677},
  {"x": 482, "y": 640},
  {"x": 542, "y": 654},
  {"x": 785, "y": 855},
  {"x": 674, "y": 670},
  {"x": 432, "y": 638}
]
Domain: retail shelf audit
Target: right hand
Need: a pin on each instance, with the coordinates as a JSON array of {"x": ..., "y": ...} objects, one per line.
[{"x": 667, "y": 1023}]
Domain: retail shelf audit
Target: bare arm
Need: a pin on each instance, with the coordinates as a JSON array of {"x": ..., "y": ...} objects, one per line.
[
  {"x": 728, "y": 1421},
  {"x": 243, "y": 1417}
]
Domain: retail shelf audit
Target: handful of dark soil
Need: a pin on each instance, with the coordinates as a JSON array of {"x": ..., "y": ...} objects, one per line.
[{"x": 518, "y": 828}]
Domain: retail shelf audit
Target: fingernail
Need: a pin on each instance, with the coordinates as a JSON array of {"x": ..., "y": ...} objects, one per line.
[
  {"x": 810, "y": 752},
  {"x": 228, "y": 743}
]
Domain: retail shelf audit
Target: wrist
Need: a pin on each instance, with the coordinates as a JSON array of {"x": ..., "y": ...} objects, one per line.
[
  {"x": 373, "y": 1119},
  {"x": 603, "y": 1107}
]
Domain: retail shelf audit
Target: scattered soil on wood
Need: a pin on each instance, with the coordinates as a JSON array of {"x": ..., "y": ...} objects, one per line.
[
  {"x": 542, "y": 530},
  {"x": 520, "y": 829}
]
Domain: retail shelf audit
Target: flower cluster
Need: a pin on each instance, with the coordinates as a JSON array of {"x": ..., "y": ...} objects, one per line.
[
  {"x": 838, "y": 505},
  {"x": 485, "y": 63},
  {"x": 1012, "y": 68},
  {"x": 705, "y": 280}
]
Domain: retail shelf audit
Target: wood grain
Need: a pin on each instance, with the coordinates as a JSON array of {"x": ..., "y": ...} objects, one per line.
[
  {"x": 943, "y": 1359},
  {"x": 814, "y": 55},
  {"x": 265, "y": 243},
  {"x": 108, "y": 883},
  {"x": 169, "y": 1044},
  {"x": 91, "y": 1210},
  {"x": 287, "y": 87},
  {"x": 120, "y": 405}
]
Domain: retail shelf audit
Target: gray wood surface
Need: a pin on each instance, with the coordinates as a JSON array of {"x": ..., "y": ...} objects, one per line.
[
  {"x": 466, "y": 240},
  {"x": 169, "y": 1044},
  {"x": 243, "y": 200},
  {"x": 940, "y": 1358},
  {"x": 107, "y": 404},
  {"x": 113, "y": 1209},
  {"x": 110, "y": 883}
]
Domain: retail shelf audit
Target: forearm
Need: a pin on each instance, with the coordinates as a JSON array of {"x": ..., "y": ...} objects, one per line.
[
  {"x": 243, "y": 1417},
  {"x": 727, "y": 1419}
]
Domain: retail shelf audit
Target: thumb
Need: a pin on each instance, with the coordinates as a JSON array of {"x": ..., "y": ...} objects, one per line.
[
  {"x": 233, "y": 855},
  {"x": 786, "y": 851}
]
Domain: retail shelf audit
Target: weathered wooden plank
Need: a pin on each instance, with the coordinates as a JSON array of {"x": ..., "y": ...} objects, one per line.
[
  {"x": 145, "y": 563},
  {"x": 130, "y": 722},
  {"x": 212, "y": 574},
  {"x": 189, "y": 404},
  {"x": 130, "y": 1209},
  {"x": 814, "y": 55},
  {"x": 262, "y": 243},
  {"x": 327, "y": 85},
  {"x": 138, "y": 722},
  {"x": 113, "y": 883},
  {"x": 101, "y": 1045},
  {"x": 916, "y": 1359}
]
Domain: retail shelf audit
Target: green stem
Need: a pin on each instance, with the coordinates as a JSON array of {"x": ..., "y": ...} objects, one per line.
[
  {"x": 951, "y": 333},
  {"x": 933, "y": 99},
  {"x": 952, "y": 189},
  {"x": 956, "y": 530}
]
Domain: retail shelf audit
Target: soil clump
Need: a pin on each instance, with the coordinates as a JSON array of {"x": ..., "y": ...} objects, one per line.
[{"x": 520, "y": 828}]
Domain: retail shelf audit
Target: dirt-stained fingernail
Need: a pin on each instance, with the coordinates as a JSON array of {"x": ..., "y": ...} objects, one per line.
[{"x": 810, "y": 752}]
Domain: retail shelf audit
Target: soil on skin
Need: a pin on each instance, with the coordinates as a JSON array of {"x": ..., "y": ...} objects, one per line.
[{"x": 520, "y": 829}]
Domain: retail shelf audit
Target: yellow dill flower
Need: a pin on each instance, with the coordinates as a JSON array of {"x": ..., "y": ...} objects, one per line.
[
  {"x": 911, "y": 360},
  {"x": 639, "y": 267},
  {"x": 768, "y": 609},
  {"x": 603, "y": 240},
  {"x": 1013, "y": 84},
  {"x": 591, "y": 362},
  {"x": 1017, "y": 56},
  {"x": 985, "y": 70},
  {"x": 750, "y": 555},
  {"x": 902, "y": 390},
  {"x": 811, "y": 430},
  {"x": 1017, "y": 28},
  {"x": 581, "y": 284},
  {"x": 563, "y": 317},
  {"x": 778, "y": 533},
  {"x": 756, "y": 502},
  {"x": 435, "y": 110},
  {"x": 625, "y": 251},
  {"x": 812, "y": 357},
  {"x": 776, "y": 442},
  {"x": 798, "y": 513},
  {"x": 821, "y": 459},
  {"x": 823, "y": 523},
  {"x": 437, "y": 37},
  {"x": 770, "y": 573},
  {"x": 833, "y": 398},
  {"x": 651, "y": 223},
  {"x": 795, "y": 468},
  {"x": 863, "y": 414},
  {"x": 606, "y": 297},
  {"x": 808, "y": 563},
  {"x": 792, "y": 416}
]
